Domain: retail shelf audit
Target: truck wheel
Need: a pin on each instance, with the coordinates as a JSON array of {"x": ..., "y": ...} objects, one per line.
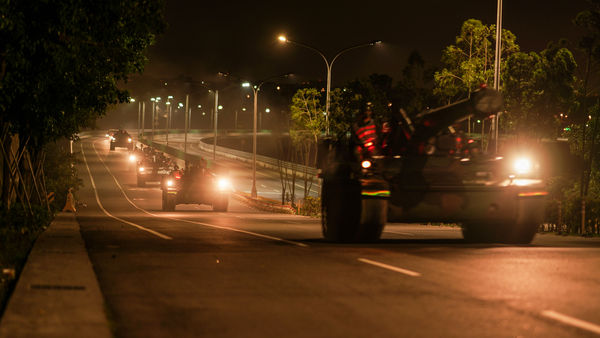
[
  {"x": 372, "y": 219},
  {"x": 165, "y": 205},
  {"x": 221, "y": 204},
  {"x": 481, "y": 232},
  {"x": 346, "y": 216},
  {"x": 141, "y": 182},
  {"x": 168, "y": 201},
  {"x": 521, "y": 230}
]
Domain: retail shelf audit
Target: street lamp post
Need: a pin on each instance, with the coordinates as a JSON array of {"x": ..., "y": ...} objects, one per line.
[
  {"x": 329, "y": 65},
  {"x": 497, "y": 68},
  {"x": 215, "y": 124},
  {"x": 143, "y": 118},
  {"x": 256, "y": 89},
  {"x": 153, "y": 113}
]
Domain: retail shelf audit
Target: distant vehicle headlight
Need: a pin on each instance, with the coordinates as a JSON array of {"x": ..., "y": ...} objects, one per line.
[
  {"x": 223, "y": 184},
  {"x": 366, "y": 164},
  {"x": 522, "y": 165},
  {"x": 107, "y": 135},
  {"x": 132, "y": 158},
  {"x": 112, "y": 138},
  {"x": 129, "y": 139},
  {"x": 169, "y": 183},
  {"x": 141, "y": 169}
]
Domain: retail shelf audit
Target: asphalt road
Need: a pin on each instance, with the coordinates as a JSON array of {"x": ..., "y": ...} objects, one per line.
[{"x": 245, "y": 273}]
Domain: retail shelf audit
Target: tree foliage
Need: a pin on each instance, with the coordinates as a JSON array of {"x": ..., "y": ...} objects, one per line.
[
  {"x": 537, "y": 89},
  {"x": 470, "y": 61},
  {"x": 62, "y": 61}
]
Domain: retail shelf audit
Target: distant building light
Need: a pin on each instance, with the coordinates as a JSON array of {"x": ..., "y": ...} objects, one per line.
[
  {"x": 267, "y": 110},
  {"x": 244, "y": 109},
  {"x": 220, "y": 107}
]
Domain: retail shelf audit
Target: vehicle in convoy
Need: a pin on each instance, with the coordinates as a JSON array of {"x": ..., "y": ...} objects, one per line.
[
  {"x": 196, "y": 185},
  {"x": 121, "y": 139},
  {"x": 152, "y": 166},
  {"x": 427, "y": 171},
  {"x": 111, "y": 132}
]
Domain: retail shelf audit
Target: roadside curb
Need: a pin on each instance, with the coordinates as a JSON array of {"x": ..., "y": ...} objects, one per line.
[
  {"x": 262, "y": 203},
  {"x": 57, "y": 294}
]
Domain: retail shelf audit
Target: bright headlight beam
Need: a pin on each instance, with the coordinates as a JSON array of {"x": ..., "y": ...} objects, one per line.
[
  {"x": 224, "y": 184},
  {"x": 522, "y": 165}
]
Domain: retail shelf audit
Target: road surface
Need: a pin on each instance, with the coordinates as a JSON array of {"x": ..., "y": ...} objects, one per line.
[{"x": 245, "y": 273}]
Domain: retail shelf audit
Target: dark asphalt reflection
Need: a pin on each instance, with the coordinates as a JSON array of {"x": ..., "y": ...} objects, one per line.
[{"x": 246, "y": 273}]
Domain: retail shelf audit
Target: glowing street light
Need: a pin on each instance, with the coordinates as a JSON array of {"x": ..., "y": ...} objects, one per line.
[
  {"x": 328, "y": 64},
  {"x": 256, "y": 89}
]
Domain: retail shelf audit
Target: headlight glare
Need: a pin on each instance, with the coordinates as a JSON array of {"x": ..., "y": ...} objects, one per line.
[
  {"x": 224, "y": 184},
  {"x": 522, "y": 165}
]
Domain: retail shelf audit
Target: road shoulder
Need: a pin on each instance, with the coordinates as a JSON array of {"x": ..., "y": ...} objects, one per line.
[{"x": 57, "y": 294}]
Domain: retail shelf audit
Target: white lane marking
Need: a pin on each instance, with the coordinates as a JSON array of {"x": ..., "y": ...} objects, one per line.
[
  {"x": 582, "y": 324},
  {"x": 193, "y": 222},
  {"x": 390, "y": 267},
  {"x": 400, "y": 233},
  {"x": 155, "y": 233}
]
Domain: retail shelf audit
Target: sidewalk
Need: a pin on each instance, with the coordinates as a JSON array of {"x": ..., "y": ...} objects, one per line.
[{"x": 57, "y": 294}]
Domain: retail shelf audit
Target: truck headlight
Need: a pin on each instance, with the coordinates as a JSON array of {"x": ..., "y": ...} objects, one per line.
[
  {"x": 132, "y": 158},
  {"x": 170, "y": 183},
  {"x": 129, "y": 140},
  {"x": 522, "y": 165},
  {"x": 223, "y": 184}
]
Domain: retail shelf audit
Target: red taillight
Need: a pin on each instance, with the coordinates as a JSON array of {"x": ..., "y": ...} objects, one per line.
[{"x": 177, "y": 175}]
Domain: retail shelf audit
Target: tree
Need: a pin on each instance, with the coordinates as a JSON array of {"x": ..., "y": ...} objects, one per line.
[
  {"x": 415, "y": 86},
  {"x": 61, "y": 66},
  {"x": 308, "y": 123},
  {"x": 537, "y": 89},
  {"x": 470, "y": 62}
]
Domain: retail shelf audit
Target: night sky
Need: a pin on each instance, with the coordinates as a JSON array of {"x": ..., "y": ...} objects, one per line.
[{"x": 207, "y": 37}]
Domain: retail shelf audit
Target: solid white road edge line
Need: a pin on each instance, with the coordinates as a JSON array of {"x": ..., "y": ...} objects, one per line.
[
  {"x": 582, "y": 324},
  {"x": 188, "y": 221},
  {"x": 390, "y": 267},
  {"x": 155, "y": 233}
]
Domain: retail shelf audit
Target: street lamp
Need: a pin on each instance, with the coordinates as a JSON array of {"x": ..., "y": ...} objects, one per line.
[
  {"x": 256, "y": 89},
  {"x": 328, "y": 64}
]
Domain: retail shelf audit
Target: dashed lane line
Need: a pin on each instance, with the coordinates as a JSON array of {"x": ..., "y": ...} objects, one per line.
[
  {"x": 188, "y": 221},
  {"x": 390, "y": 267},
  {"x": 582, "y": 324},
  {"x": 155, "y": 233}
]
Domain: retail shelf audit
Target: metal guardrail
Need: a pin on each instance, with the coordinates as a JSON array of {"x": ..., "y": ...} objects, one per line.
[{"x": 261, "y": 161}]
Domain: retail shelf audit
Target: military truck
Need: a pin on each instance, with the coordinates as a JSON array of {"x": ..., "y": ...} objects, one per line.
[
  {"x": 196, "y": 185},
  {"x": 424, "y": 170}
]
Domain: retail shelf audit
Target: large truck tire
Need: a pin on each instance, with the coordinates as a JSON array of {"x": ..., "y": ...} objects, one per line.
[
  {"x": 220, "y": 204},
  {"x": 168, "y": 201},
  {"x": 520, "y": 230},
  {"x": 347, "y": 216},
  {"x": 165, "y": 205}
]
